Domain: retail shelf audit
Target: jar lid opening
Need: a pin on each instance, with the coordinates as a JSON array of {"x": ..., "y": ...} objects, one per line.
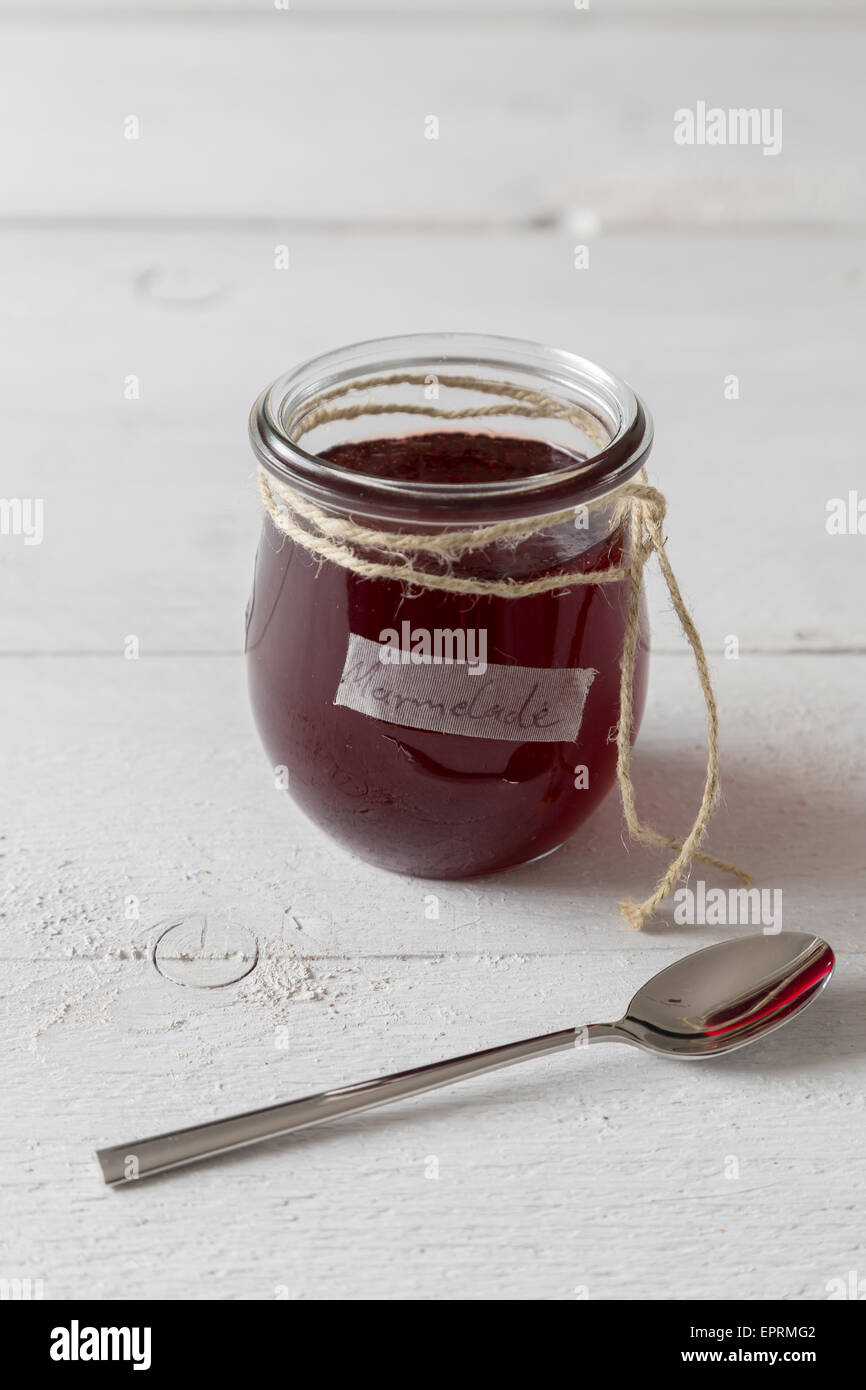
[{"x": 421, "y": 383}]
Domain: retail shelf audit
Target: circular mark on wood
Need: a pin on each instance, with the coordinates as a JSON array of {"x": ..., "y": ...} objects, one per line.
[
  {"x": 178, "y": 286},
  {"x": 205, "y": 953}
]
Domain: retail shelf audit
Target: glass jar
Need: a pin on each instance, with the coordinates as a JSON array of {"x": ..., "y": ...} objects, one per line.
[{"x": 436, "y": 732}]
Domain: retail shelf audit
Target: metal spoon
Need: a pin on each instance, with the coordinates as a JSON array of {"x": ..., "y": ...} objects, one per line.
[{"x": 708, "y": 1003}]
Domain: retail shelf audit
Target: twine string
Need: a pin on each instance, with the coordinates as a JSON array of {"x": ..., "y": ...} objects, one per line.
[{"x": 339, "y": 541}]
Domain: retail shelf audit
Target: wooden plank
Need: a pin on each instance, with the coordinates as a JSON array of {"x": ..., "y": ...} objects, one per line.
[
  {"x": 533, "y": 121},
  {"x": 677, "y": 11},
  {"x": 158, "y": 493}
]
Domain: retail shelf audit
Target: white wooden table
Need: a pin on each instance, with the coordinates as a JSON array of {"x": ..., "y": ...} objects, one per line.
[{"x": 137, "y": 790}]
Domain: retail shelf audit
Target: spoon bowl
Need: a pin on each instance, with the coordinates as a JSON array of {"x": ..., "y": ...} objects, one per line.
[{"x": 728, "y": 995}]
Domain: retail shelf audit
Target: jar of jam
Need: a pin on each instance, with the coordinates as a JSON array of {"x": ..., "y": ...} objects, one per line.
[{"x": 430, "y": 669}]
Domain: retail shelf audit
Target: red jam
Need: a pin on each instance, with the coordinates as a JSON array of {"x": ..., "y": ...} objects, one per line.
[{"x": 418, "y": 800}]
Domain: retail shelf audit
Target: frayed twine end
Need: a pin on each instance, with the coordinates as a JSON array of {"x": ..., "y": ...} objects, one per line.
[{"x": 634, "y": 913}]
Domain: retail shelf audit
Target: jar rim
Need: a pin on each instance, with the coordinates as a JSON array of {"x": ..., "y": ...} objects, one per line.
[{"x": 594, "y": 390}]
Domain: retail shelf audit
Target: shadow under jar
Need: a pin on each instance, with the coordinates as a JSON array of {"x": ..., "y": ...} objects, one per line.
[{"x": 441, "y": 734}]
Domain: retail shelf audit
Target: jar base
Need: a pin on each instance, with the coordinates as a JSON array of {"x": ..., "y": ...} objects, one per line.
[{"x": 461, "y": 876}]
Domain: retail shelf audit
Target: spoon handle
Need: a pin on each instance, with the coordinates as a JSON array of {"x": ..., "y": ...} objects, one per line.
[{"x": 126, "y": 1162}]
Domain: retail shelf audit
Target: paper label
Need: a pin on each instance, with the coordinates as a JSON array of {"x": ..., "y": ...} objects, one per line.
[{"x": 520, "y": 704}]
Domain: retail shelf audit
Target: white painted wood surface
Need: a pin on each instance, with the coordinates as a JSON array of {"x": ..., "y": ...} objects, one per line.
[
  {"x": 497, "y": 11},
  {"x": 143, "y": 780},
  {"x": 320, "y": 121}
]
